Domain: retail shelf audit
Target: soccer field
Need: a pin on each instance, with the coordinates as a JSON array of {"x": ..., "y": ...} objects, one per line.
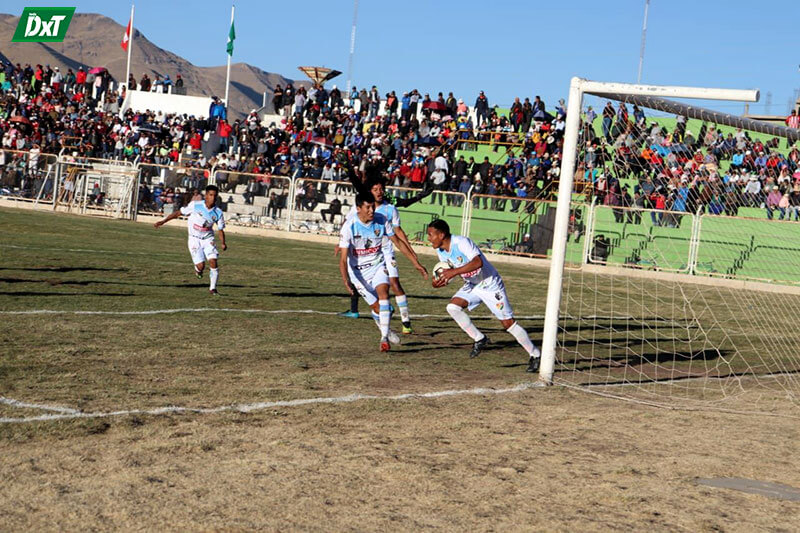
[{"x": 106, "y": 317}]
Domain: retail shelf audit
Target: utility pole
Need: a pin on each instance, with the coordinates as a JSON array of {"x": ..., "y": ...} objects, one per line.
[
  {"x": 644, "y": 38},
  {"x": 352, "y": 48}
]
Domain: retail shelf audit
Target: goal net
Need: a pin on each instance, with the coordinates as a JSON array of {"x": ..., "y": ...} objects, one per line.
[
  {"x": 97, "y": 186},
  {"x": 684, "y": 293}
]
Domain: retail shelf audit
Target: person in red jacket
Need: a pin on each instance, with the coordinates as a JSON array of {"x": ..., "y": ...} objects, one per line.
[
  {"x": 418, "y": 173},
  {"x": 80, "y": 80},
  {"x": 224, "y": 132},
  {"x": 196, "y": 142}
]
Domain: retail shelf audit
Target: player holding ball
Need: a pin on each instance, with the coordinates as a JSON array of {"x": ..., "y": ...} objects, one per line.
[{"x": 482, "y": 284}]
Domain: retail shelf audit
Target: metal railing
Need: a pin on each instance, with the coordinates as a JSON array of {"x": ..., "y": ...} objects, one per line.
[
  {"x": 698, "y": 243},
  {"x": 27, "y": 176}
]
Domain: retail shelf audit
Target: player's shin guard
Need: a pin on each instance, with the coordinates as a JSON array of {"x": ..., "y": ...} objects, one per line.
[
  {"x": 464, "y": 322},
  {"x": 385, "y": 317},
  {"x": 521, "y": 335},
  {"x": 213, "y": 274},
  {"x": 402, "y": 304}
]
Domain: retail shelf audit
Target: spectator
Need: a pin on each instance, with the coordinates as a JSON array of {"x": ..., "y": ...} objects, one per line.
[
  {"x": 481, "y": 108},
  {"x": 277, "y": 99},
  {"x": 80, "y": 80},
  {"x": 251, "y": 191},
  {"x": 773, "y": 201},
  {"x": 525, "y": 246},
  {"x": 276, "y": 205},
  {"x": 335, "y": 208}
]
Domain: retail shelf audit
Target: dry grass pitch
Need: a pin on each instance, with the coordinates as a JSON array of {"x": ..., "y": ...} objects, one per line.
[{"x": 554, "y": 459}]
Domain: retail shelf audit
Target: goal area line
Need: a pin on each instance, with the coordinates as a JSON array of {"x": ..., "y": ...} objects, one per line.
[
  {"x": 64, "y": 413},
  {"x": 57, "y": 412}
]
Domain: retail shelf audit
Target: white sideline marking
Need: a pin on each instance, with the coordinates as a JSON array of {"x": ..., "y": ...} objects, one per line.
[
  {"x": 25, "y": 405},
  {"x": 220, "y": 310},
  {"x": 81, "y": 250},
  {"x": 259, "y": 406}
]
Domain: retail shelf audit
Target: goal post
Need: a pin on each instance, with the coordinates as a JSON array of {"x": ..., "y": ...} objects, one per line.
[{"x": 578, "y": 88}]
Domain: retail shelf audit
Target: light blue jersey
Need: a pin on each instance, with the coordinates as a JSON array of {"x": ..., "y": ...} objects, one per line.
[
  {"x": 462, "y": 251},
  {"x": 202, "y": 219},
  {"x": 366, "y": 243},
  {"x": 387, "y": 210}
]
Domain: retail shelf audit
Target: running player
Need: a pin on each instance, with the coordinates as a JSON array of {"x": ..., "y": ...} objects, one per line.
[
  {"x": 389, "y": 212},
  {"x": 482, "y": 283},
  {"x": 203, "y": 214},
  {"x": 364, "y": 240}
]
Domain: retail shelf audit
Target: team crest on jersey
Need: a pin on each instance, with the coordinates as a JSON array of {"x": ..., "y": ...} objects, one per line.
[
  {"x": 459, "y": 259},
  {"x": 377, "y": 232}
]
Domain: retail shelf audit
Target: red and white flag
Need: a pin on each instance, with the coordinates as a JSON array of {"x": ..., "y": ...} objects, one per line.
[{"x": 126, "y": 38}]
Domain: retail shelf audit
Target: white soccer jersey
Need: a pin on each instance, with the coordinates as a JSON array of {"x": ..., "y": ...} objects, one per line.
[
  {"x": 389, "y": 212},
  {"x": 365, "y": 244},
  {"x": 202, "y": 219},
  {"x": 462, "y": 251}
]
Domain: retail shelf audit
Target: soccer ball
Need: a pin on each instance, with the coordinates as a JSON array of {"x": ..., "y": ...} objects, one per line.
[{"x": 440, "y": 267}]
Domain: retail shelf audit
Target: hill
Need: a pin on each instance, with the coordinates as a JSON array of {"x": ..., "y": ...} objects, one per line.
[{"x": 93, "y": 40}]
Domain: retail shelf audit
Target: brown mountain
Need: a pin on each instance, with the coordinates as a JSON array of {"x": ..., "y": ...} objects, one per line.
[{"x": 93, "y": 40}]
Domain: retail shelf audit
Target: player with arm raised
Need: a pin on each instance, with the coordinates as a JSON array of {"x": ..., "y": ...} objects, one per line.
[
  {"x": 384, "y": 207},
  {"x": 482, "y": 284},
  {"x": 203, "y": 214},
  {"x": 363, "y": 241},
  {"x": 373, "y": 173}
]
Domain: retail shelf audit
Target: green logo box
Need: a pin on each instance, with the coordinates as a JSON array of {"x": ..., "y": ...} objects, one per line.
[{"x": 43, "y": 24}]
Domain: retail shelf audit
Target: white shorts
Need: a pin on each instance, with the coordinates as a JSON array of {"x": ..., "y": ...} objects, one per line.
[
  {"x": 391, "y": 266},
  {"x": 366, "y": 286},
  {"x": 494, "y": 297},
  {"x": 202, "y": 249}
]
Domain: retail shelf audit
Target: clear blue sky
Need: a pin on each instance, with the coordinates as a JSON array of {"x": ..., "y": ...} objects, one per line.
[{"x": 507, "y": 48}]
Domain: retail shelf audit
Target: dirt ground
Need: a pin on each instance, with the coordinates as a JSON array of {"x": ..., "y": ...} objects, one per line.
[
  {"x": 537, "y": 460},
  {"x": 554, "y": 459}
]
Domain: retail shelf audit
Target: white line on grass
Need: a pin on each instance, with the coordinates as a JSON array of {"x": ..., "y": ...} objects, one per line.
[
  {"x": 259, "y": 406},
  {"x": 215, "y": 310},
  {"x": 80, "y": 250},
  {"x": 26, "y": 405}
]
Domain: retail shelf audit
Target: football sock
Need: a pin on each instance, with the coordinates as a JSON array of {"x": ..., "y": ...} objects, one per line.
[
  {"x": 377, "y": 318},
  {"x": 385, "y": 317},
  {"x": 464, "y": 322},
  {"x": 213, "y": 274},
  {"x": 402, "y": 304},
  {"x": 198, "y": 270},
  {"x": 354, "y": 302},
  {"x": 521, "y": 335}
]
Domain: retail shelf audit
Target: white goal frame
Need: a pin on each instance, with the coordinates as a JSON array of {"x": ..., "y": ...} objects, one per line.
[{"x": 578, "y": 87}]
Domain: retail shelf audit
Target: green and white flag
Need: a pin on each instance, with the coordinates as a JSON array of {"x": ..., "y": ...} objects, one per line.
[{"x": 231, "y": 37}]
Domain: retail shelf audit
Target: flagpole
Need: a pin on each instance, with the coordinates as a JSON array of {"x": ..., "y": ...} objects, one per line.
[
  {"x": 228, "y": 76},
  {"x": 130, "y": 46}
]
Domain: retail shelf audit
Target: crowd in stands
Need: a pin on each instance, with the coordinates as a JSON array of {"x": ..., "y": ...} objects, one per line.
[
  {"x": 323, "y": 135},
  {"x": 409, "y": 138},
  {"x": 158, "y": 85},
  {"x": 716, "y": 170}
]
